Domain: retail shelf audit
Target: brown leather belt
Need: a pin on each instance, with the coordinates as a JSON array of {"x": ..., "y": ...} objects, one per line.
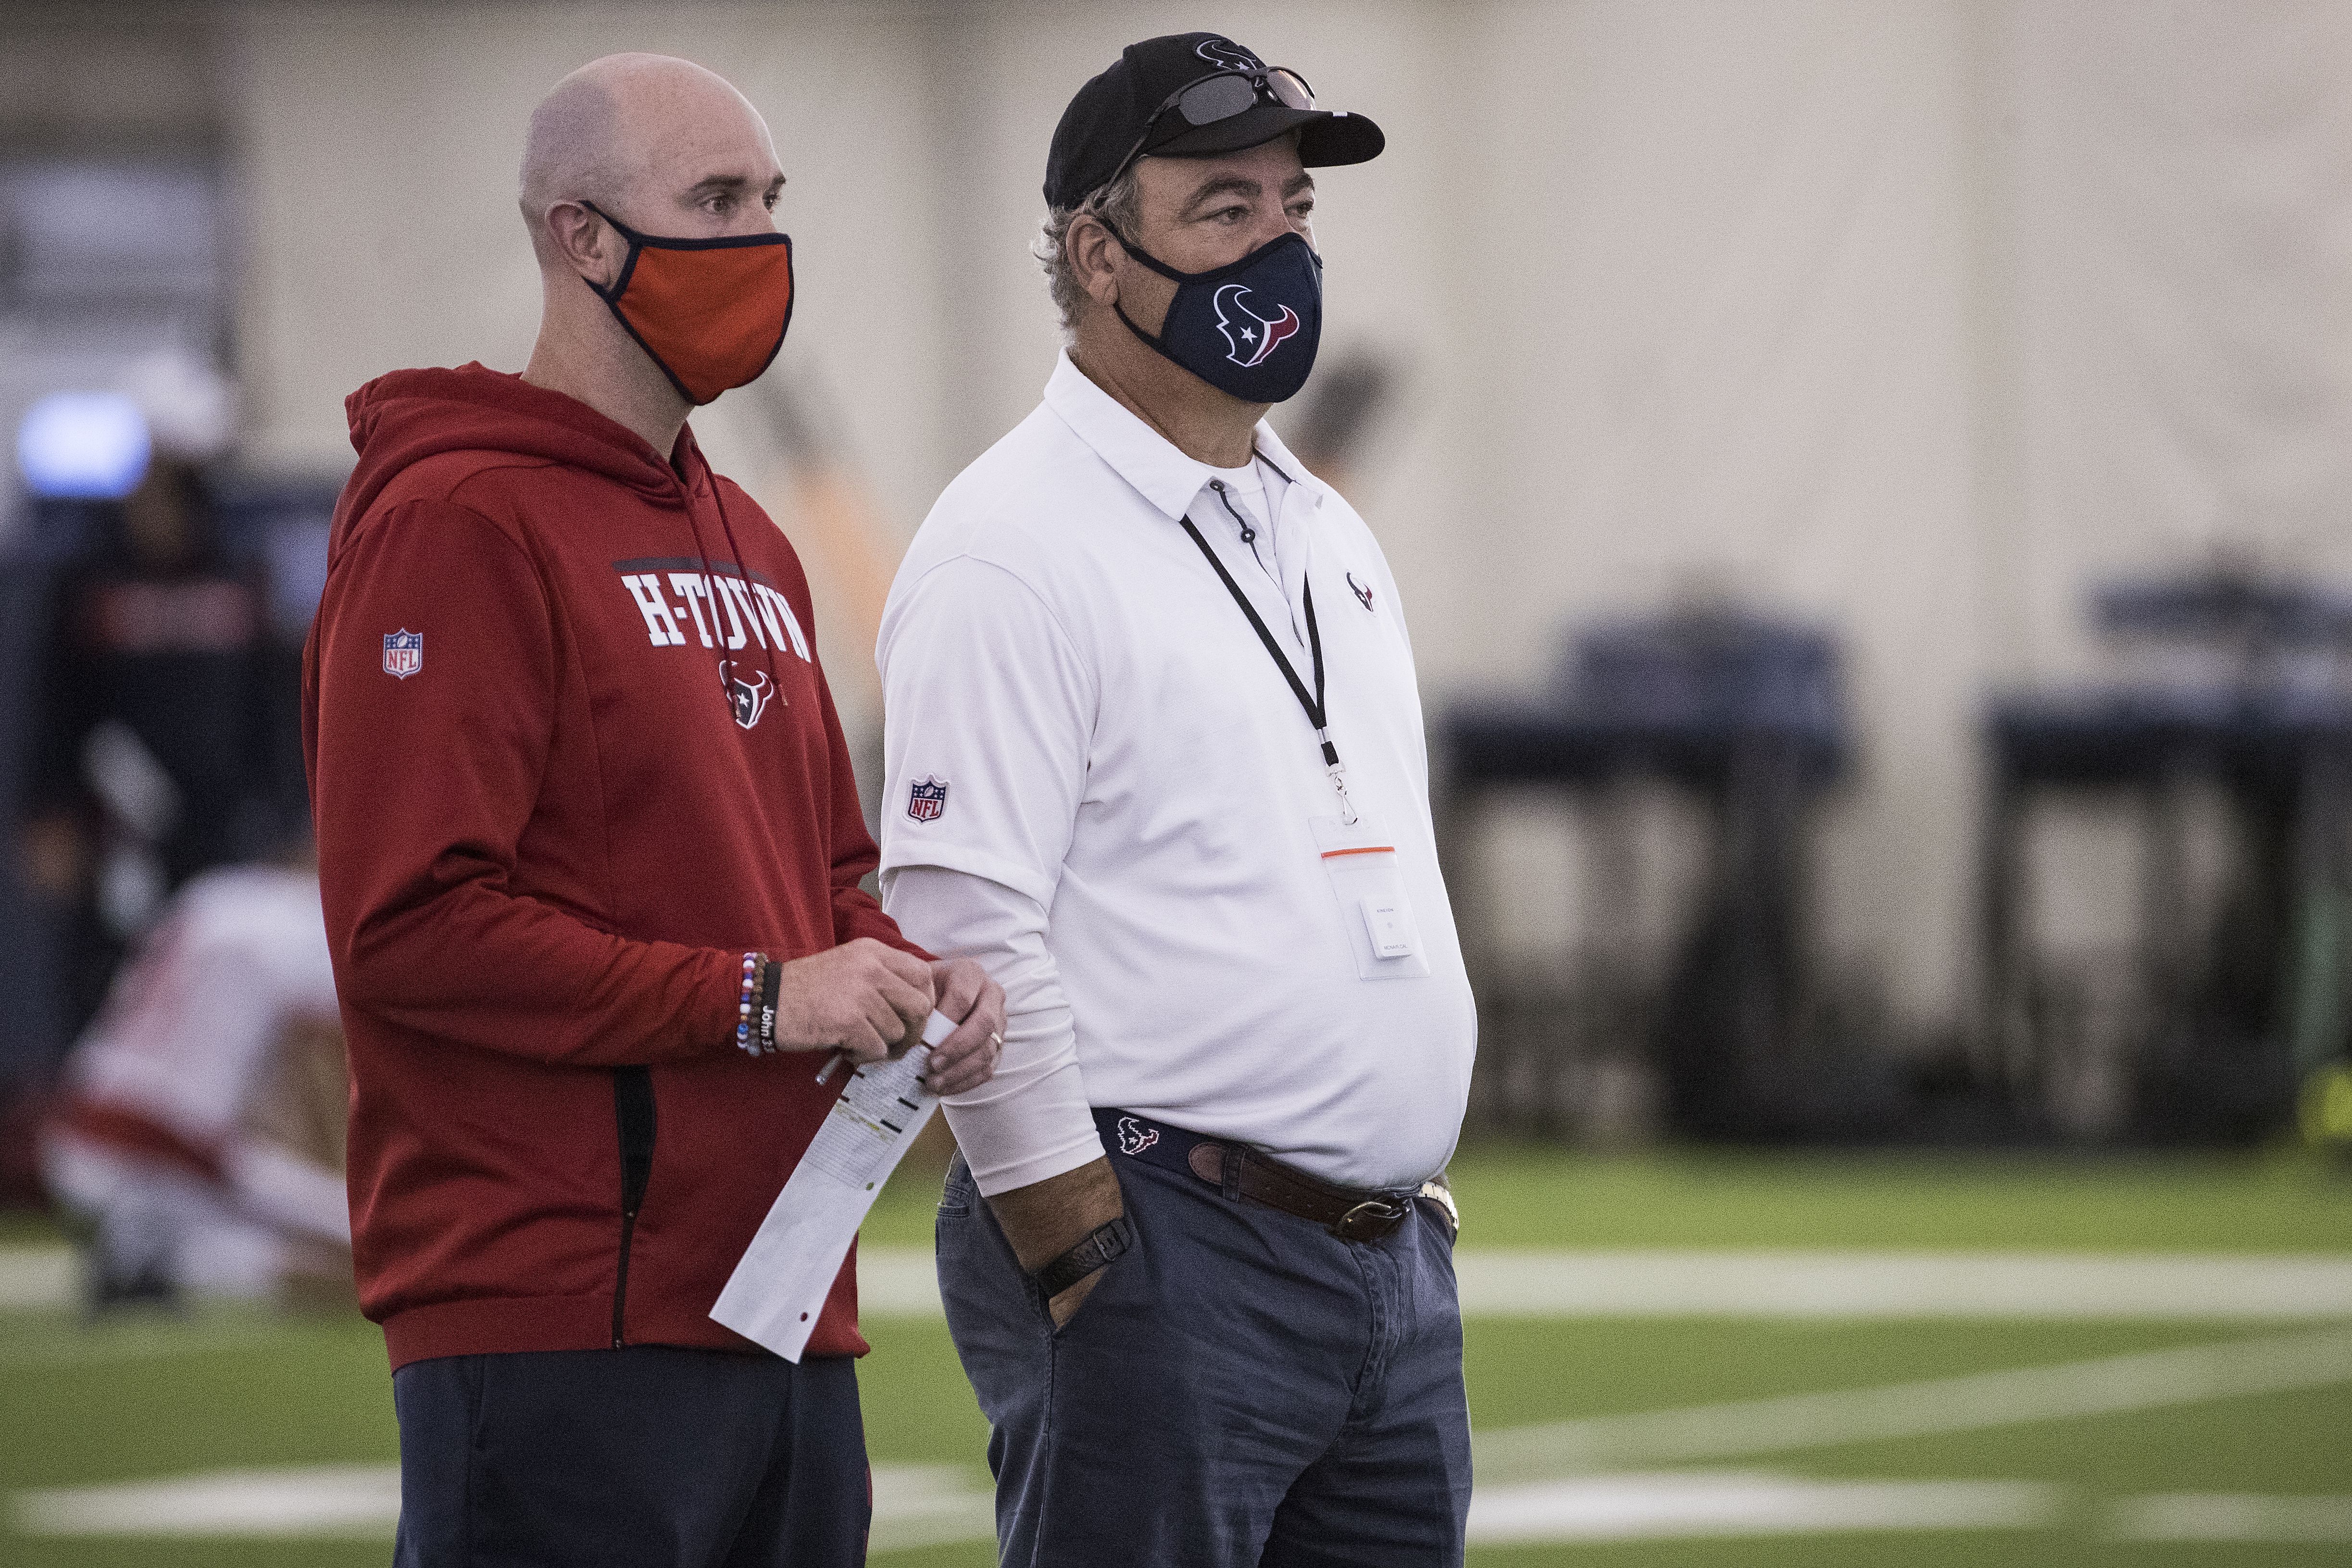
[{"x": 1353, "y": 1213}]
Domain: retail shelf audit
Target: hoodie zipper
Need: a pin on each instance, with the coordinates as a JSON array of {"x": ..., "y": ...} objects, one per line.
[{"x": 634, "y": 1122}]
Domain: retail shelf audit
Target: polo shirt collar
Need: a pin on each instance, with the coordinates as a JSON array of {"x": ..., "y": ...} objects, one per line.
[{"x": 1139, "y": 455}]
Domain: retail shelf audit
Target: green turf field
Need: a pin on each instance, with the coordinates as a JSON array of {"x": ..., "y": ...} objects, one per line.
[{"x": 2175, "y": 1441}]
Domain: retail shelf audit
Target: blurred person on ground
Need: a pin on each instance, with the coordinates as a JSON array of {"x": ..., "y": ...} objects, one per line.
[
  {"x": 590, "y": 848},
  {"x": 1156, "y": 759},
  {"x": 150, "y": 760},
  {"x": 199, "y": 1135}
]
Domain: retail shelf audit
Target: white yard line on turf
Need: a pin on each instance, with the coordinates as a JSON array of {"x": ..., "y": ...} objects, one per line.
[
  {"x": 1534, "y": 1481},
  {"x": 931, "y": 1505},
  {"x": 149, "y": 1339},
  {"x": 914, "y": 1505},
  {"x": 36, "y": 1279},
  {"x": 2229, "y": 1516},
  {"x": 2178, "y": 1287},
  {"x": 1703, "y": 1503},
  {"x": 304, "y": 1501},
  {"x": 897, "y": 1281},
  {"x": 2108, "y": 1385}
]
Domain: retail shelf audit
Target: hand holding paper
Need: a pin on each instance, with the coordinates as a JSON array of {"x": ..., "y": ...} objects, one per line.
[{"x": 780, "y": 1285}]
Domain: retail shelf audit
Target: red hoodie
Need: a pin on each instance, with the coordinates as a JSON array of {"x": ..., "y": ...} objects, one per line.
[{"x": 571, "y": 755}]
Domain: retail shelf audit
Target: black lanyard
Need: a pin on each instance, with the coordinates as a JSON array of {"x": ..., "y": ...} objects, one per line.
[{"x": 1312, "y": 703}]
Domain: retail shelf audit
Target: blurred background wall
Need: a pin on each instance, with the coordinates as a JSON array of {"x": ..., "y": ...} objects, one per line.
[{"x": 1908, "y": 318}]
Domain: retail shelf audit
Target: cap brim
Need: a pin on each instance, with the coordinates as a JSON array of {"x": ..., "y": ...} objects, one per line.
[{"x": 1325, "y": 138}]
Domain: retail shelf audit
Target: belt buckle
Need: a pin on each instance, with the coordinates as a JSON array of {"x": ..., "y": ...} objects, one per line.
[{"x": 1369, "y": 1221}]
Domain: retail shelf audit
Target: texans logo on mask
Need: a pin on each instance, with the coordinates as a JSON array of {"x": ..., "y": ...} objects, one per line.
[
  {"x": 748, "y": 698},
  {"x": 926, "y": 798},
  {"x": 1254, "y": 337}
]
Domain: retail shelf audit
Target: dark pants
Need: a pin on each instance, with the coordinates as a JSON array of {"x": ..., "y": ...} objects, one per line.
[
  {"x": 648, "y": 1455},
  {"x": 1242, "y": 1387}
]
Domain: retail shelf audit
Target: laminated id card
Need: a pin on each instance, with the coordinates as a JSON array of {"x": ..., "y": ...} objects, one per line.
[{"x": 1369, "y": 882}]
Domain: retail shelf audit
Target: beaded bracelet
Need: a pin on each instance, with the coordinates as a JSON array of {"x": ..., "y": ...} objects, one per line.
[{"x": 743, "y": 1033}]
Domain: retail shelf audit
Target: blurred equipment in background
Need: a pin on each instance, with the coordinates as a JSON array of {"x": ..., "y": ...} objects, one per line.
[
  {"x": 813, "y": 488},
  {"x": 199, "y": 1139},
  {"x": 2235, "y": 1003},
  {"x": 150, "y": 739},
  {"x": 83, "y": 446},
  {"x": 829, "y": 508},
  {"x": 1746, "y": 716},
  {"x": 116, "y": 282}
]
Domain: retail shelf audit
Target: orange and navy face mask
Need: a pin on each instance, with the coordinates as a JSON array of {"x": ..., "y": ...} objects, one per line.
[{"x": 710, "y": 312}]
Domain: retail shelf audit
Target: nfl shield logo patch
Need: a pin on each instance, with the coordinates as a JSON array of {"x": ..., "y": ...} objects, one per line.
[
  {"x": 926, "y": 798},
  {"x": 403, "y": 652}
]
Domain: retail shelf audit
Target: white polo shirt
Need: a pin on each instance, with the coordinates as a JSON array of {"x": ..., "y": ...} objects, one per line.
[{"x": 1130, "y": 817}]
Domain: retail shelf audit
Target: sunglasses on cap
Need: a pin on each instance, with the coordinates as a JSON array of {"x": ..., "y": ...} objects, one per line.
[{"x": 1222, "y": 95}]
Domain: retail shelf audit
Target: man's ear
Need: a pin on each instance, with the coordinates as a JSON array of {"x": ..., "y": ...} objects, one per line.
[
  {"x": 1094, "y": 256},
  {"x": 588, "y": 245}
]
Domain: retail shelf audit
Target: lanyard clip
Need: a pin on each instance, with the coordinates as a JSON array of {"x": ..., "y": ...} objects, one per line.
[
  {"x": 1347, "y": 806},
  {"x": 1338, "y": 778}
]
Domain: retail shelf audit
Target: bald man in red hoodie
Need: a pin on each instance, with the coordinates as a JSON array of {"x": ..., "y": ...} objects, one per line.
[{"x": 590, "y": 852}]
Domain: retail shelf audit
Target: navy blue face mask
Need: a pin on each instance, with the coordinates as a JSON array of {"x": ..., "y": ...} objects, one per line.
[{"x": 1249, "y": 328}]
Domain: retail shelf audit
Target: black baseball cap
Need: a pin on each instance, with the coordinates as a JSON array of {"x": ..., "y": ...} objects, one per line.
[{"x": 1114, "y": 110}]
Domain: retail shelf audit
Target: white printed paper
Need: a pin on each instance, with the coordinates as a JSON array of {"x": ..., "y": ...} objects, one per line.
[{"x": 778, "y": 1286}]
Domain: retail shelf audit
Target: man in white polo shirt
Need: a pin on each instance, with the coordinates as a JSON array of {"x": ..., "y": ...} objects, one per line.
[{"x": 1156, "y": 761}]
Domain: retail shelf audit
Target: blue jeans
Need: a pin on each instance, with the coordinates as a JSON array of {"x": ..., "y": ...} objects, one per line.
[
  {"x": 655, "y": 1455},
  {"x": 1242, "y": 1389}
]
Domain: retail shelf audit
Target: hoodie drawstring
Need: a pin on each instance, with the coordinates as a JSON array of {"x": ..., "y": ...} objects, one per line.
[{"x": 743, "y": 570}]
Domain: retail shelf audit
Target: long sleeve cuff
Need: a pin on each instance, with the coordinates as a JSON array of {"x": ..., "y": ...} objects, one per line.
[{"x": 1032, "y": 1120}]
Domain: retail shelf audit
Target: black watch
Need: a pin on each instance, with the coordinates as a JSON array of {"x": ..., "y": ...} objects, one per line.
[{"x": 1105, "y": 1242}]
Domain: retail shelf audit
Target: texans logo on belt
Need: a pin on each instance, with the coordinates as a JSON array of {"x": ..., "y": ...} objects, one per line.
[{"x": 1134, "y": 1137}]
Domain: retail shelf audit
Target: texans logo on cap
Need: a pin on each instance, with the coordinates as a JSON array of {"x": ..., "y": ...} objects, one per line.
[{"x": 1227, "y": 54}]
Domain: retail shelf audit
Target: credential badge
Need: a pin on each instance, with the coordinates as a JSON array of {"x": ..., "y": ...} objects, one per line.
[
  {"x": 403, "y": 652},
  {"x": 927, "y": 797}
]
